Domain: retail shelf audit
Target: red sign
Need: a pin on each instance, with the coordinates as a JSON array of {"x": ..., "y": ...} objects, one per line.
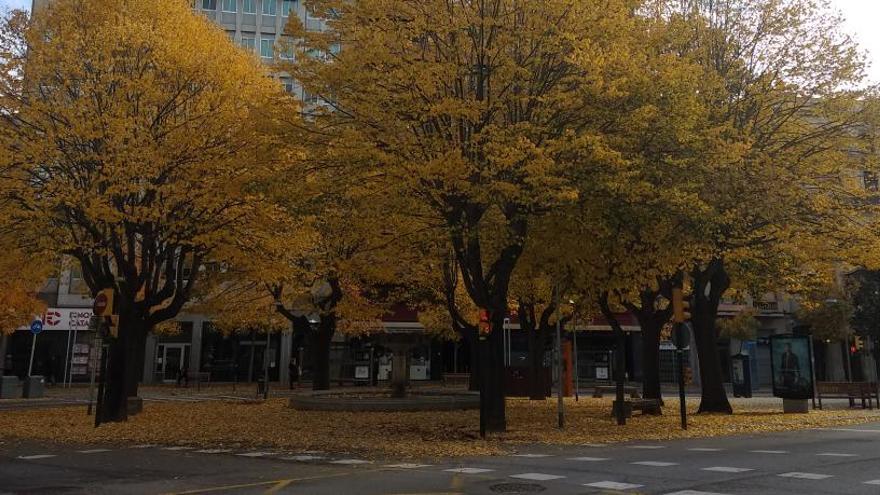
[{"x": 101, "y": 302}]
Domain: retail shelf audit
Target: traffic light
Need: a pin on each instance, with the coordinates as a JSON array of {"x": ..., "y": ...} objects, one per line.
[
  {"x": 103, "y": 305},
  {"x": 858, "y": 343},
  {"x": 484, "y": 321},
  {"x": 680, "y": 307}
]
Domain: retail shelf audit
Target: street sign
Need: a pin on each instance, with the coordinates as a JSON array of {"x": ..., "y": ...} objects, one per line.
[{"x": 36, "y": 326}]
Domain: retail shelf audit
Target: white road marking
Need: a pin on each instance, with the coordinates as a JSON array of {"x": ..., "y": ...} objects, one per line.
[
  {"x": 872, "y": 482},
  {"x": 143, "y": 446},
  {"x": 655, "y": 463},
  {"x": 594, "y": 445},
  {"x": 467, "y": 470},
  {"x": 836, "y": 454},
  {"x": 704, "y": 449},
  {"x": 588, "y": 459},
  {"x": 536, "y": 476},
  {"x": 725, "y": 469},
  {"x": 177, "y": 448},
  {"x": 302, "y": 458},
  {"x": 214, "y": 451},
  {"x": 407, "y": 465},
  {"x": 35, "y": 457},
  {"x": 256, "y": 454},
  {"x": 805, "y": 476},
  {"x": 93, "y": 451},
  {"x": 647, "y": 447},
  {"x": 693, "y": 492},
  {"x": 613, "y": 485},
  {"x": 854, "y": 430},
  {"x": 350, "y": 462},
  {"x": 531, "y": 456},
  {"x": 769, "y": 451}
]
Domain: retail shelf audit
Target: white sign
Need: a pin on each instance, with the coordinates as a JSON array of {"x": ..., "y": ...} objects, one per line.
[
  {"x": 66, "y": 319},
  {"x": 601, "y": 373}
]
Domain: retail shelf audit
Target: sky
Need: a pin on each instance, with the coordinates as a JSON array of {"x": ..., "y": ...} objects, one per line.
[{"x": 861, "y": 21}]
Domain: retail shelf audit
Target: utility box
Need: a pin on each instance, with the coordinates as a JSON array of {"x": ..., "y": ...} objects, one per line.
[
  {"x": 10, "y": 387},
  {"x": 741, "y": 375},
  {"x": 34, "y": 387}
]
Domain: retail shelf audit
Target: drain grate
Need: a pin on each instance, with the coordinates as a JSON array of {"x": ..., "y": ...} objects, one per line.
[{"x": 517, "y": 488}]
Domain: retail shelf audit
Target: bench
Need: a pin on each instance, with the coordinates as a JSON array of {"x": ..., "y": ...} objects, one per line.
[
  {"x": 644, "y": 406},
  {"x": 456, "y": 379},
  {"x": 864, "y": 391},
  {"x": 630, "y": 390}
]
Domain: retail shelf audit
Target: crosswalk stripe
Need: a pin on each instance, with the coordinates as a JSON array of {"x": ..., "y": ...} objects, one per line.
[
  {"x": 805, "y": 476},
  {"x": 35, "y": 457},
  {"x": 769, "y": 451},
  {"x": 872, "y": 482},
  {"x": 704, "y": 449},
  {"x": 655, "y": 463},
  {"x": 613, "y": 485},
  {"x": 467, "y": 470},
  {"x": 350, "y": 461},
  {"x": 256, "y": 454},
  {"x": 93, "y": 451},
  {"x": 725, "y": 469},
  {"x": 835, "y": 454},
  {"x": 536, "y": 476},
  {"x": 588, "y": 459},
  {"x": 407, "y": 465},
  {"x": 531, "y": 456},
  {"x": 214, "y": 451},
  {"x": 302, "y": 458}
]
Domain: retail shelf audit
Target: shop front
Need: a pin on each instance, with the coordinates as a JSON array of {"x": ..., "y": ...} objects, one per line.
[{"x": 62, "y": 349}]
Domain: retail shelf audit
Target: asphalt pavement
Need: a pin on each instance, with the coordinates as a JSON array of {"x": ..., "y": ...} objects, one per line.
[{"x": 820, "y": 461}]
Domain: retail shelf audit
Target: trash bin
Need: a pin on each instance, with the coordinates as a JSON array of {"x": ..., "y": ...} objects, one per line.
[
  {"x": 10, "y": 387},
  {"x": 34, "y": 387},
  {"x": 741, "y": 375}
]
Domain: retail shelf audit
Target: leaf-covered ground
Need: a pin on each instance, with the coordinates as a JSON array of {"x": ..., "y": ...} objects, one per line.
[{"x": 400, "y": 435}]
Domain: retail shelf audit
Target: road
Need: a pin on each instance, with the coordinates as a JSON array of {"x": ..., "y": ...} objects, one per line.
[{"x": 826, "y": 461}]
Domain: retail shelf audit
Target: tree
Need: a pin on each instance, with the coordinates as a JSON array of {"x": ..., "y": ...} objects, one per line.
[
  {"x": 786, "y": 100},
  {"x": 472, "y": 112},
  {"x": 134, "y": 143}
]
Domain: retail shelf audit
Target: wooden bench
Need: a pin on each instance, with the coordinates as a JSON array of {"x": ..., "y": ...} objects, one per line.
[
  {"x": 630, "y": 390},
  {"x": 644, "y": 406},
  {"x": 864, "y": 391},
  {"x": 456, "y": 379}
]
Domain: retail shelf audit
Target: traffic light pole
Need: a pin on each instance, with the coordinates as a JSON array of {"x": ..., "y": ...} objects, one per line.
[{"x": 682, "y": 400}]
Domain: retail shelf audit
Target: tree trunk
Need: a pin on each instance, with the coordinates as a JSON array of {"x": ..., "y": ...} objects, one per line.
[
  {"x": 536, "y": 365},
  {"x": 710, "y": 283},
  {"x": 473, "y": 344},
  {"x": 493, "y": 366},
  {"x": 121, "y": 379},
  {"x": 323, "y": 337},
  {"x": 3, "y": 340},
  {"x": 650, "y": 358}
]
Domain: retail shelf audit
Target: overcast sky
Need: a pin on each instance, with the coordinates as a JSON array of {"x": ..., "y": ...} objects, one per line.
[{"x": 862, "y": 21}]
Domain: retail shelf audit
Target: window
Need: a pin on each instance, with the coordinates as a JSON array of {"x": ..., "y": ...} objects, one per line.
[
  {"x": 268, "y": 7},
  {"x": 872, "y": 182},
  {"x": 266, "y": 48},
  {"x": 229, "y": 5},
  {"x": 77, "y": 283},
  {"x": 288, "y": 86},
  {"x": 249, "y": 43},
  {"x": 209, "y": 4},
  {"x": 248, "y": 7},
  {"x": 287, "y": 6},
  {"x": 286, "y": 48}
]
